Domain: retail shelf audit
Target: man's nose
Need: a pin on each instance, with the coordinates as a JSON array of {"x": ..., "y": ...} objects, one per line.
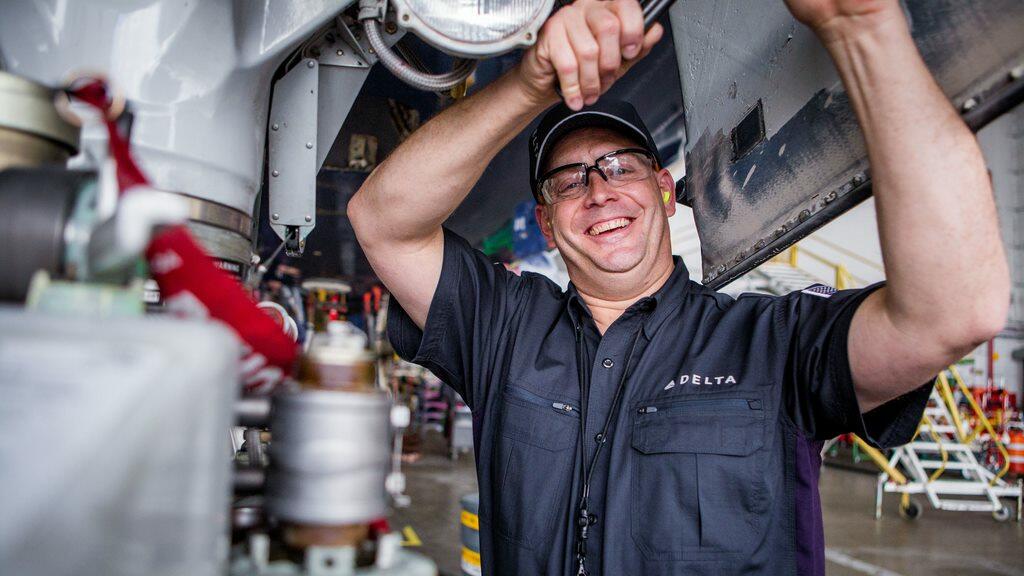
[{"x": 599, "y": 191}]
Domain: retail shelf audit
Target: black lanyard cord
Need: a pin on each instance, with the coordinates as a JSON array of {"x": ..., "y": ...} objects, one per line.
[{"x": 584, "y": 519}]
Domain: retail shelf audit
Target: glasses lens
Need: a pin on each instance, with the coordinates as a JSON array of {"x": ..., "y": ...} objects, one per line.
[
  {"x": 565, "y": 184},
  {"x": 623, "y": 167}
]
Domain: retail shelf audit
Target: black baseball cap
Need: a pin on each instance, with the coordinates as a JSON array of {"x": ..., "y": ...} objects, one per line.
[{"x": 616, "y": 115}]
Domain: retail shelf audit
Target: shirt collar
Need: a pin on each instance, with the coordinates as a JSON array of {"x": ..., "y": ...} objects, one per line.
[{"x": 659, "y": 305}]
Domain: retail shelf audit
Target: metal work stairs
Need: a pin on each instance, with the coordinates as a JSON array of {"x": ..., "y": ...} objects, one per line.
[{"x": 945, "y": 469}]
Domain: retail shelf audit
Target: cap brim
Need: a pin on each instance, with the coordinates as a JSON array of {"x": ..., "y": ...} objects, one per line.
[{"x": 586, "y": 119}]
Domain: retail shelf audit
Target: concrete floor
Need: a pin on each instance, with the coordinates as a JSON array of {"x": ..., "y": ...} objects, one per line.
[{"x": 936, "y": 544}]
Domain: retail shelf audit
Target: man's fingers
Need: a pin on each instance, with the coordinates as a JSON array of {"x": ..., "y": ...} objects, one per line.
[
  {"x": 586, "y": 49},
  {"x": 605, "y": 26},
  {"x": 652, "y": 38},
  {"x": 567, "y": 69},
  {"x": 631, "y": 27}
]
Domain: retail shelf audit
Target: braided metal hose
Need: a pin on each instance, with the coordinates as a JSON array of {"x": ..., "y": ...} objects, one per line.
[{"x": 400, "y": 68}]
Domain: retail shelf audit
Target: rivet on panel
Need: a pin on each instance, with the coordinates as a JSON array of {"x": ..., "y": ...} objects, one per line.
[
  {"x": 310, "y": 64},
  {"x": 275, "y": 216},
  {"x": 274, "y": 127},
  {"x": 309, "y": 218},
  {"x": 275, "y": 173},
  {"x": 309, "y": 145}
]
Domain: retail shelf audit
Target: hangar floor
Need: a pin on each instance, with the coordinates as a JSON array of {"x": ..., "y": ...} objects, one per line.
[{"x": 936, "y": 544}]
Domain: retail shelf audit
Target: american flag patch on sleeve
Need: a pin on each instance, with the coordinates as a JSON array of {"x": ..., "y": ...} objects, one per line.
[{"x": 819, "y": 290}]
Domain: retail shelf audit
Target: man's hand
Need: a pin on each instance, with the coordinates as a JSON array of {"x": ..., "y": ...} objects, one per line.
[
  {"x": 584, "y": 48},
  {"x": 834, "y": 20}
]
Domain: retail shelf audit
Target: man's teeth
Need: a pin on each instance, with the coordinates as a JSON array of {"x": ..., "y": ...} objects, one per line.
[{"x": 609, "y": 225}]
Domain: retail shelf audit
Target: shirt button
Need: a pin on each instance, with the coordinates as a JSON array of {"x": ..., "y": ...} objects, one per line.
[
  {"x": 608, "y": 363},
  {"x": 599, "y": 438}
]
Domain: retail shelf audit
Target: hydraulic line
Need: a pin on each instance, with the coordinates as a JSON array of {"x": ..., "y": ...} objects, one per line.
[{"x": 431, "y": 82}]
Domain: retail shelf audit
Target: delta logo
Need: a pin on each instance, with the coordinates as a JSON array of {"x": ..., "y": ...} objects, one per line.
[{"x": 701, "y": 380}]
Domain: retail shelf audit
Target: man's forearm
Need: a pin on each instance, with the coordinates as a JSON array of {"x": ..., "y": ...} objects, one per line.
[
  {"x": 937, "y": 219},
  {"x": 410, "y": 194}
]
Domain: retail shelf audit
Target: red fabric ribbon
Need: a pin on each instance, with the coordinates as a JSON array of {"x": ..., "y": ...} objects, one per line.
[
  {"x": 190, "y": 283},
  {"x": 94, "y": 92}
]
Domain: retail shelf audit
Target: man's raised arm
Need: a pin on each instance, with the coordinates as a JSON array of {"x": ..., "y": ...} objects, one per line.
[
  {"x": 398, "y": 212},
  {"x": 948, "y": 282}
]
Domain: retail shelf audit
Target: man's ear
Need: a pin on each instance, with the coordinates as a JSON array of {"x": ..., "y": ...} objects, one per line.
[
  {"x": 667, "y": 191},
  {"x": 541, "y": 213}
]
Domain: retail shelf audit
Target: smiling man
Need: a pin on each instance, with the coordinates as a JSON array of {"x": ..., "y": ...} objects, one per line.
[{"x": 639, "y": 423}]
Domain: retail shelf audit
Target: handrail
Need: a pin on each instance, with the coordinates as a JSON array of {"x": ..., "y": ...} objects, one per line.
[
  {"x": 879, "y": 459},
  {"x": 843, "y": 277},
  {"x": 942, "y": 449},
  {"x": 954, "y": 411},
  {"x": 840, "y": 268},
  {"x": 848, "y": 252}
]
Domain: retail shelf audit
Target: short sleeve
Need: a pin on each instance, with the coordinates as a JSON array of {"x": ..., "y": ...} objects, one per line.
[
  {"x": 468, "y": 315},
  {"x": 819, "y": 395}
]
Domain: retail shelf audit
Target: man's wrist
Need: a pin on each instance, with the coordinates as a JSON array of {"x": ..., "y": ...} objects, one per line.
[
  {"x": 528, "y": 94},
  {"x": 848, "y": 30}
]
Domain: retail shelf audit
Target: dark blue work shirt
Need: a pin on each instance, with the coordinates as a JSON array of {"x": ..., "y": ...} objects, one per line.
[{"x": 710, "y": 459}]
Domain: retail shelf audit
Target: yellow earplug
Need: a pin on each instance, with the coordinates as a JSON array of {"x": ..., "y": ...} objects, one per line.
[{"x": 665, "y": 195}]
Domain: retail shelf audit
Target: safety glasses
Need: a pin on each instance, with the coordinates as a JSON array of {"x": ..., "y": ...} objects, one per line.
[{"x": 617, "y": 168}]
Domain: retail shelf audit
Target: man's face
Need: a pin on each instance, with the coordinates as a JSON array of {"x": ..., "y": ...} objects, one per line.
[{"x": 608, "y": 230}]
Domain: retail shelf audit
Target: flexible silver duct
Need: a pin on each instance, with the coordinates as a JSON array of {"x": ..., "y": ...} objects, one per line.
[{"x": 400, "y": 68}]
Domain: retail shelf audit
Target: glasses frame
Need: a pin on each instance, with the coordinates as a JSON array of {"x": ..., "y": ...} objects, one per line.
[{"x": 586, "y": 172}]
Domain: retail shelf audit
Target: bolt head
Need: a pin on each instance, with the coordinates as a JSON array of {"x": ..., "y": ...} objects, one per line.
[
  {"x": 310, "y": 64},
  {"x": 309, "y": 145},
  {"x": 340, "y": 52},
  {"x": 309, "y": 218},
  {"x": 275, "y": 216},
  {"x": 274, "y": 127},
  {"x": 275, "y": 173}
]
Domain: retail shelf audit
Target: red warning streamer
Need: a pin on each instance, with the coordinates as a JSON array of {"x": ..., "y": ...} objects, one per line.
[{"x": 190, "y": 282}]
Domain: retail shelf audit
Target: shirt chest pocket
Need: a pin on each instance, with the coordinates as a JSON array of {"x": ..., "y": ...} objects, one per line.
[
  {"x": 535, "y": 455},
  {"x": 698, "y": 484}
]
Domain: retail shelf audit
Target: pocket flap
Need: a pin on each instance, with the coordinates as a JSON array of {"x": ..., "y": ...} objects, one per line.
[
  {"x": 538, "y": 423},
  {"x": 726, "y": 426}
]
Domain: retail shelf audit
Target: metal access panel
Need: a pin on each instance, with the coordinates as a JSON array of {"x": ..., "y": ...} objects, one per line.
[
  {"x": 773, "y": 147},
  {"x": 114, "y": 451}
]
